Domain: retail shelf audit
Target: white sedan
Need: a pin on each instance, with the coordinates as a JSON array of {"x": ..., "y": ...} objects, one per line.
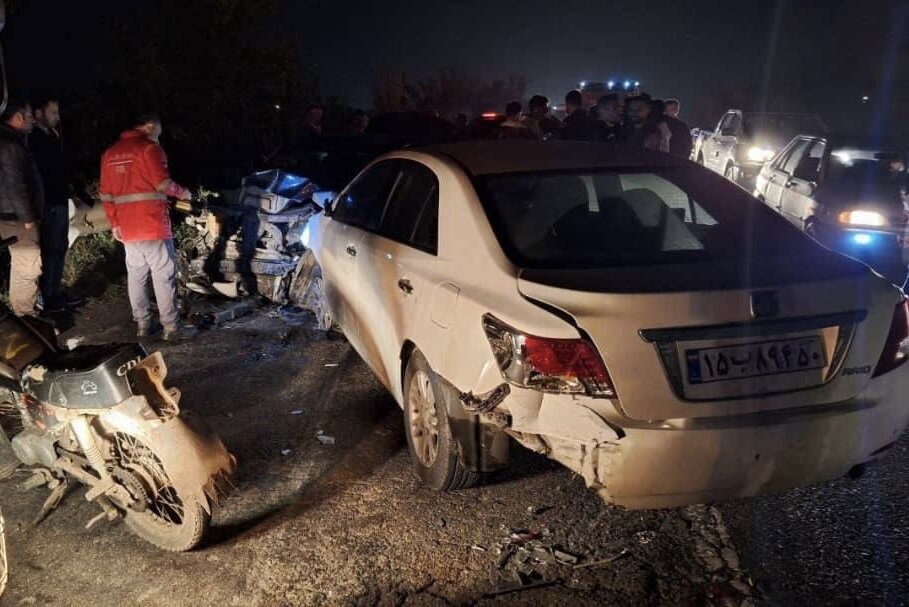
[{"x": 635, "y": 317}]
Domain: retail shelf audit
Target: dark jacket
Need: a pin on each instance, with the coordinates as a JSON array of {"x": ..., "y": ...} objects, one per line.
[
  {"x": 53, "y": 166},
  {"x": 579, "y": 127},
  {"x": 680, "y": 144},
  {"x": 21, "y": 195}
]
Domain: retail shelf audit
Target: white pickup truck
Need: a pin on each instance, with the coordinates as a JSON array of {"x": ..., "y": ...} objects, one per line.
[{"x": 743, "y": 141}]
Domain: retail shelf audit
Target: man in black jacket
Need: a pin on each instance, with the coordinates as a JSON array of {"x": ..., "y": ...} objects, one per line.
[
  {"x": 681, "y": 143},
  {"x": 578, "y": 125},
  {"x": 21, "y": 205},
  {"x": 46, "y": 144}
]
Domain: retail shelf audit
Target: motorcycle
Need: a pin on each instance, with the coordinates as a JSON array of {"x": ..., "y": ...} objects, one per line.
[{"x": 102, "y": 416}]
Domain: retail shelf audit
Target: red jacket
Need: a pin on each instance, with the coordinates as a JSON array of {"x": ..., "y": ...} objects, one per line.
[{"x": 134, "y": 188}]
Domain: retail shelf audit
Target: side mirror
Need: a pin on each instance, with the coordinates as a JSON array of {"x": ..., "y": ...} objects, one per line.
[{"x": 325, "y": 199}]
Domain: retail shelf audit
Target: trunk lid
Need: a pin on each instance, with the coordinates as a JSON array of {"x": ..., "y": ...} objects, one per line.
[{"x": 661, "y": 345}]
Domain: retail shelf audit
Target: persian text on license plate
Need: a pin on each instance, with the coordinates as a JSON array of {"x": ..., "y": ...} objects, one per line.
[{"x": 752, "y": 360}]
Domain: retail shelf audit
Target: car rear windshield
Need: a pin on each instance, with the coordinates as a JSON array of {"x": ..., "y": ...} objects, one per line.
[
  {"x": 872, "y": 168},
  {"x": 607, "y": 218}
]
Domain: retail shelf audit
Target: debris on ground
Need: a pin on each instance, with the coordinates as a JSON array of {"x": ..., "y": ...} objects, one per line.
[
  {"x": 645, "y": 537},
  {"x": 73, "y": 342},
  {"x": 332, "y": 364},
  {"x": 297, "y": 412},
  {"x": 285, "y": 451},
  {"x": 217, "y": 313},
  {"x": 324, "y": 438}
]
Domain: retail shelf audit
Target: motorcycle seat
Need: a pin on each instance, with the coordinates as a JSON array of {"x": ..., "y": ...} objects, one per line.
[{"x": 88, "y": 377}]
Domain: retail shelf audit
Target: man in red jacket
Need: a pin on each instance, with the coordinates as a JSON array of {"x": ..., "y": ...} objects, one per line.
[{"x": 135, "y": 186}]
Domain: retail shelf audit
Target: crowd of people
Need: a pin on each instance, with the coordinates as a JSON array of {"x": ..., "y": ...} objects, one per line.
[
  {"x": 637, "y": 122},
  {"x": 36, "y": 185}
]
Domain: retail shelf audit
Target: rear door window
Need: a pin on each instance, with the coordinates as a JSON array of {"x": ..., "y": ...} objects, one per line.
[
  {"x": 795, "y": 156},
  {"x": 413, "y": 208},
  {"x": 362, "y": 204},
  {"x": 809, "y": 166}
]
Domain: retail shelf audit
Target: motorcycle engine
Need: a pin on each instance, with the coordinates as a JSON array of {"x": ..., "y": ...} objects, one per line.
[{"x": 35, "y": 448}]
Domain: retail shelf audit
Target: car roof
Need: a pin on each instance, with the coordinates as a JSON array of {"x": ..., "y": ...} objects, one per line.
[{"x": 488, "y": 157}]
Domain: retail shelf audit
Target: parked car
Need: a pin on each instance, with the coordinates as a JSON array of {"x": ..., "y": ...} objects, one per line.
[
  {"x": 744, "y": 141},
  {"x": 633, "y": 316},
  {"x": 848, "y": 194}
]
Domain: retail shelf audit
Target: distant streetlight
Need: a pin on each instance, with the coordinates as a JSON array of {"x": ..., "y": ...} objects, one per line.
[
  {"x": 278, "y": 107},
  {"x": 865, "y": 99}
]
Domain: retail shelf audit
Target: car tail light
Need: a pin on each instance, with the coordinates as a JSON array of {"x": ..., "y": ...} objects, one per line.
[
  {"x": 562, "y": 366},
  {"x": 895, "y": 350}
]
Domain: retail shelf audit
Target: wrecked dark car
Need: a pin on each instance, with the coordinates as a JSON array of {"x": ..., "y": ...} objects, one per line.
[{"x": 250, "y": 241}]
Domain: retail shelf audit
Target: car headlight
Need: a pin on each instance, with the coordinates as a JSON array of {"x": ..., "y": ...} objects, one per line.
[
  {"x": 863, "y": 218},
  {"x": 759, "y": 154}
]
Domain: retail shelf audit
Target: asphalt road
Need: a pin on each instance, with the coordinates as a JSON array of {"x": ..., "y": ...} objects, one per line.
[{"x": 349, "y": 524}]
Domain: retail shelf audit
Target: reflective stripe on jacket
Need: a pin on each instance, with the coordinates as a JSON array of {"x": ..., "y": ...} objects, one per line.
[{"x": 134, "y": 179}]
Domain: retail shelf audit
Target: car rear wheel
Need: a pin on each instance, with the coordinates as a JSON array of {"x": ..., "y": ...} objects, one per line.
[{"x": 433, "y": 449}]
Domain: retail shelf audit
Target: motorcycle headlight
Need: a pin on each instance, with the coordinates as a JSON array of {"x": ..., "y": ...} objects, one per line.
[
  {"x": 871, "y": 219},
  {"x": 757, "y": 153}
]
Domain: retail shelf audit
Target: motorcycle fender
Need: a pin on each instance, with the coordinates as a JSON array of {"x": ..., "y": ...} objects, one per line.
[{"x": 188, "y": 448}]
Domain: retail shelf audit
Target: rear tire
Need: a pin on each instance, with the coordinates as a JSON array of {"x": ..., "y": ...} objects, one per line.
[
  {"x": 170, "y": 521},
  {"x": 433, "y": 449}
]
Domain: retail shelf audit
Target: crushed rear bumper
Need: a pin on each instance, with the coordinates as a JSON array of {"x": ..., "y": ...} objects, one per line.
[{"x": 680, "y": 462}]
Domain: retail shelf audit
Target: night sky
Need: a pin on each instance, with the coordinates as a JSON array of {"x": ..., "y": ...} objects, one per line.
[{"x": 695, "y": 50}]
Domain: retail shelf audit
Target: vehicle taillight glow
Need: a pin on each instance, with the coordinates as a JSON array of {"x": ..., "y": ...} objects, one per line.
[
  {"x": 488, "y": 115},
  {"x": 895, "y": 351},
  {"x": 562, "y": 366}
]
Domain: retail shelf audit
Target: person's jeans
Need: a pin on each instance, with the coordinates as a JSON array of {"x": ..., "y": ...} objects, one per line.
[
  {"x": 155, "y": 258},
  {"x": 25, "y": 267},
  {"x": 54, "y": 244}
]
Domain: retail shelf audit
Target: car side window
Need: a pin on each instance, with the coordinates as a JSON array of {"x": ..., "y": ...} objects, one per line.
[
  {"x": 363, "y": 203},
  {"x": 795, "y": 156},
  {"x": 726, "y": 123},
  {"x": 784, "y": 154},
  {"x": 809, "y": 166},
  {"x": 413, "y": 208}
]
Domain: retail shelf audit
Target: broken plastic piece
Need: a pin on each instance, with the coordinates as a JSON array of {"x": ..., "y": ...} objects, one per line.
[
  {"x": 484, "y": 403},
  {"x": 285, "y": 451},
  {"x": 325, "y": 439}
]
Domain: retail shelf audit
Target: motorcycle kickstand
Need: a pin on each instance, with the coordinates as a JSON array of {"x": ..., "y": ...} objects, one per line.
[
  {"x": 109, "y": 512},
  {"x": 53, "y": 500}
]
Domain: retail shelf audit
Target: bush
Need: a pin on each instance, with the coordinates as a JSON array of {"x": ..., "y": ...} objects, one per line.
[{"x": 93, "y": 263}]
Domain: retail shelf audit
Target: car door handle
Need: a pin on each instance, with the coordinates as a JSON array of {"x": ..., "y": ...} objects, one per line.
[
  {"x": 351, "y": 250},
  {"x": 405, "y": 286},
  {"x": 790, "y": 183}
]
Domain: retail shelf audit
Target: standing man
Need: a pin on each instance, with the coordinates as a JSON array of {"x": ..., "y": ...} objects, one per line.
[
  {"x": 46, "y": 144},
  {"x": 680, "y": 144},
  {"x": 21, "y": 205},
  {"x": 540, "y": 122},
  {"x": 135, "y": 185},
  {"x": 578, "y": 124},
  {"x": 608, "y": 114},
  {"x": 514, "y": 126}
]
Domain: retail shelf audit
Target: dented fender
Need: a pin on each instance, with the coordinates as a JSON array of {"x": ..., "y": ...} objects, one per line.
[{"x": 191, "y": 452}]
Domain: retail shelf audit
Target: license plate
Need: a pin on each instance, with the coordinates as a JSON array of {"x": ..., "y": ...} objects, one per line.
[{"x": 753, "y": 360}]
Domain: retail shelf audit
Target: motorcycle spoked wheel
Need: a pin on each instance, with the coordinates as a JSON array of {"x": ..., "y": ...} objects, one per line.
[{"x": 169, "y": 520}]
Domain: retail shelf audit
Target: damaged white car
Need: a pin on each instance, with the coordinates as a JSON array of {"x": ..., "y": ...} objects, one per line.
[{"x": 635, "y": 317}]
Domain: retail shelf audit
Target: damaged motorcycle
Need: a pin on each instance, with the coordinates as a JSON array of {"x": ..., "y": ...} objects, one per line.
[{"x": 102, "y": 416}]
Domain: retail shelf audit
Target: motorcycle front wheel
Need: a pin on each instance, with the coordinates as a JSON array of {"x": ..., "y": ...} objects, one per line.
[{"x": 167, "y": 519}]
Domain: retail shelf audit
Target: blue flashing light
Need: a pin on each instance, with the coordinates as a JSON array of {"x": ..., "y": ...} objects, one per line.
[
  {"x": 862, "y": 239},
  {"x": 627, "y": 84},
  {"x": 610, "y": 84},
  {"x": 637, "y": 84},
  {"x": 583, "y": 83}
]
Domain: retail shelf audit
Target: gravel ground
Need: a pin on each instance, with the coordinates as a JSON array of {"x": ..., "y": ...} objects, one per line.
[{"x": 349, "y": 524}]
